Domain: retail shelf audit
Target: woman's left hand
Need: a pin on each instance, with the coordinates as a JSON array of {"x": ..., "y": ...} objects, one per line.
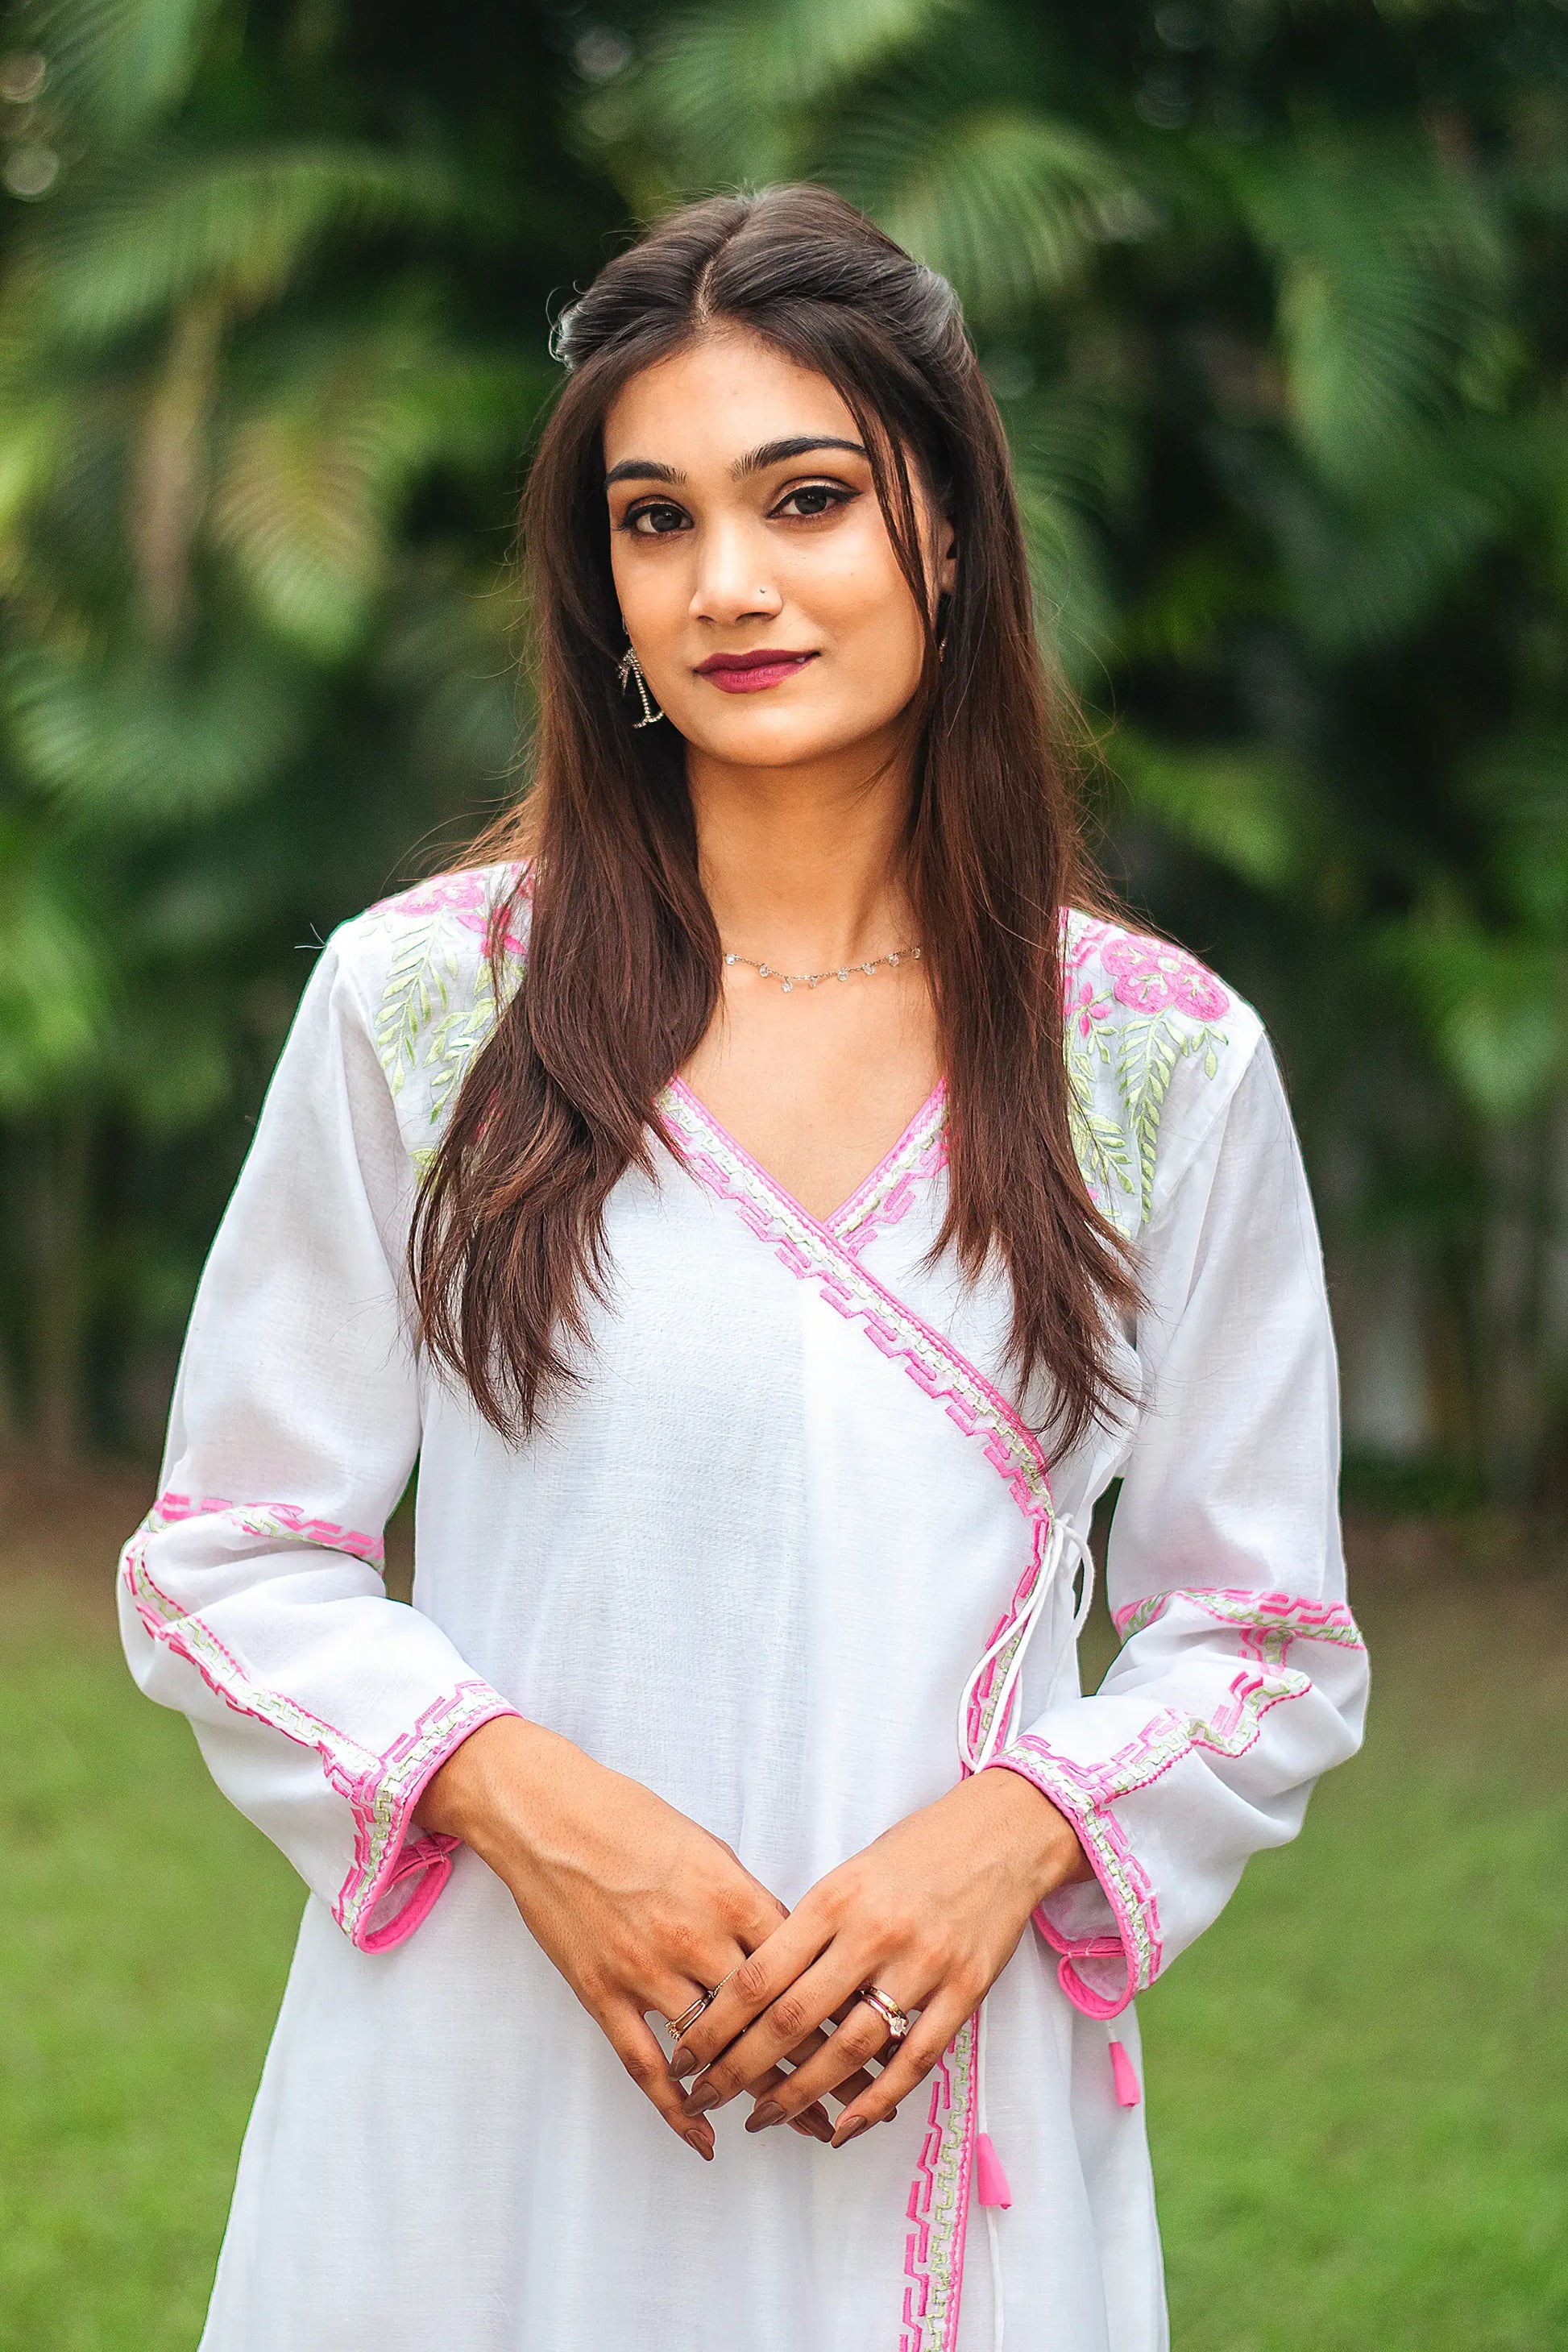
[{"x": 930, "y": 1913}]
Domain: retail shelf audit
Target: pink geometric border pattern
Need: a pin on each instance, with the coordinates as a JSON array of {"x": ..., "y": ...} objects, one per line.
[
  {"x": 895, "y": 1183},
  {"x": 381, "y": 1790},
  {"x": 282, "y": 1522},
  {"x": 1268, "y": 1621},
  {"x": 1088, "y": 1792},
  {"x": 824, "y": 1255}
]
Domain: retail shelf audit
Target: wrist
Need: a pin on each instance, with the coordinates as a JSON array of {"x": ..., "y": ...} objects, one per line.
[
  {"x": 482, "y": 1792},
  {"x": 1048, "y": 1849}
]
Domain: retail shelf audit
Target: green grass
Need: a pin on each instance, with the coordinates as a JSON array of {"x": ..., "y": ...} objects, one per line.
[{"x": 1359, "y": 2097}]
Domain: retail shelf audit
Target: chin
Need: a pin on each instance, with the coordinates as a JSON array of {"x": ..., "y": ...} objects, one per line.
[{"x": 778, "y": 739}]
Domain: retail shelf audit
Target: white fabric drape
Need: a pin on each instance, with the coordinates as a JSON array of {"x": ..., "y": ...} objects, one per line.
[{"x": 752, "y": 1562}]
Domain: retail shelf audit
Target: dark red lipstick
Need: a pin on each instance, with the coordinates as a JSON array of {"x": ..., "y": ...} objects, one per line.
[{"x": 747, "y": 673}]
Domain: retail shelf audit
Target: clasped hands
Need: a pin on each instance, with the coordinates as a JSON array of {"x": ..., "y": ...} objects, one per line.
[{"x": 640, "y": 1908}]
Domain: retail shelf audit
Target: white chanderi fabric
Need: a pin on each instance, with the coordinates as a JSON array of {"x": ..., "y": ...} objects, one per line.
[{"x": 752, "y": 1562}]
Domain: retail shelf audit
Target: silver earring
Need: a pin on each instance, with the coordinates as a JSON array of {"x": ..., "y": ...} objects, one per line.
[{"x": 628, "y": 668}]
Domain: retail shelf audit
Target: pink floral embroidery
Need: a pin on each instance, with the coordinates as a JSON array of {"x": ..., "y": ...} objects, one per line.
[
  {"x": 467, "y": 896},
  {"x": 1086, "y": 1008},
  {"x": 1151, "y": 977}
]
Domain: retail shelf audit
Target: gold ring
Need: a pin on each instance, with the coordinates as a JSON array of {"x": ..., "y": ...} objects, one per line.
[
  {"x": 689, "y": 2015},
  {"x": 896, "y": 2020}
]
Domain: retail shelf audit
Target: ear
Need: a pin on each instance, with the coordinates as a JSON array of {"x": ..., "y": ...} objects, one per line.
[{"x": 947, "y": 556}]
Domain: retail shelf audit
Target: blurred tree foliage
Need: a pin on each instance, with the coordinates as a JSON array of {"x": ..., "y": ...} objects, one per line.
[{"x": 1269, "y": 292}]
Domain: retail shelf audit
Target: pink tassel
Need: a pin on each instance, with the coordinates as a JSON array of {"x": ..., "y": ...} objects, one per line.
[
  {"x": 990, "y": 2180},
  {"x": 1127, "y": 2091}
]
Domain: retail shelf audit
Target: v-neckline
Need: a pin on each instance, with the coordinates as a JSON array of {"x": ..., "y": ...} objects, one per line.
[{"x": 862, "y": 1207}]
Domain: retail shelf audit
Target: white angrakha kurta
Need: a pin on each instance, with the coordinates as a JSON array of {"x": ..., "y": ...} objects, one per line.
[{"x": 753, "y": 1563}]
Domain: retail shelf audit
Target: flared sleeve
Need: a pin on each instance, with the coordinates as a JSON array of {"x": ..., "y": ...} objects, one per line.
[
  {"x": 252, "y": 1598},
  {"x": 1242, "y": 1674}
]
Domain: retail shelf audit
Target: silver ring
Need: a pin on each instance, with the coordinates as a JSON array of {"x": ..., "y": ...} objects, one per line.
[{"x": 896, "y": 2020}]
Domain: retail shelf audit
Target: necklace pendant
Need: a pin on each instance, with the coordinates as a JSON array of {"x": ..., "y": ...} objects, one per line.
[
  {"x": 844, "y": 975},
  {"x": 762, "y": 972},
  {"x": 787, "y": 986}
]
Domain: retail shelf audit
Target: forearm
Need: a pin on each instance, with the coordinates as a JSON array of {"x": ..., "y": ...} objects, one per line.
[
  {"x": 1016, "y": 1818},
  {"x": 506, "y": 1776}
]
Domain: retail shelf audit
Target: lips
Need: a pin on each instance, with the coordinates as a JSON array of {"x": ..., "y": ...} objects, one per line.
[{"x": 748, "y": 673}]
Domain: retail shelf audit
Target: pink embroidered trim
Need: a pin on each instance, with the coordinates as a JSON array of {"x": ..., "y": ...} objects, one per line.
[
  {"x": 280, "y": 1522},
  {"x": 1285, "y": 1615},
  {"x": 1088, "y": 1792},
  {"x": 381, "y": 1790},
  {"x": 818, "y": 1252},
  {"x": 893, "y": 1185},
  {"x": 938, "y": 2204}
]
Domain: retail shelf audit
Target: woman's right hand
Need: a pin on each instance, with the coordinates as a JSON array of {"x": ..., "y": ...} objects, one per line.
[{"x": 639, "y": 1906}]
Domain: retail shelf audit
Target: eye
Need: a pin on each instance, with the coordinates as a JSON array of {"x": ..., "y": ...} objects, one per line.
[
  {"x": 810, "y": 500},
  {"x": 655, "y": 521}
]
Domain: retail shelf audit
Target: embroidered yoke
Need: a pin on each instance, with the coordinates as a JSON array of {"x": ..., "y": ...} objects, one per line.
[{"x": 791, "y": 1555}]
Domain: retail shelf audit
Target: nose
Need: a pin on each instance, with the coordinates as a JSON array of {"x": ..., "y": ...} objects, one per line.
[{"x": 735, "y": 579}]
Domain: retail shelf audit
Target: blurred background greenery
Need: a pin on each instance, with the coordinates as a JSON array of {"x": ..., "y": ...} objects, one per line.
[{"x": 1271, "y": 294}]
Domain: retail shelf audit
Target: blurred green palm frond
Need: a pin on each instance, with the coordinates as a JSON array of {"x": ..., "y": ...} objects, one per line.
[
  {"x": 733, "y": 93},
  {"x": 117, "y": 65},
  {"x": 1494, "y": 1005},
  {"x": 122, "y": 245},
  {"x": 1251, "y": 808},
  {"x": 54, "y": 985},
  {"x": 1394, "y": 278},
  {"x": 133, "y": 741},
  {"x": 1005, "y": 201},
  {"x": 310, "y": 482},
  {"x": 1517, "y": 786}
]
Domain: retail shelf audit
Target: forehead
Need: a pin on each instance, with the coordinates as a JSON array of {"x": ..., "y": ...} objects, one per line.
[{"x": 722, "y": 397}]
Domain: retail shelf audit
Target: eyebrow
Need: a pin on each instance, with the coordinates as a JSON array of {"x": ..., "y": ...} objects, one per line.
[{"x": 756, "y": 461}]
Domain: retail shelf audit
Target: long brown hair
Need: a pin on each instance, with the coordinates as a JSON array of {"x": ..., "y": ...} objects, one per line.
[{"x": 624, "y": 972}]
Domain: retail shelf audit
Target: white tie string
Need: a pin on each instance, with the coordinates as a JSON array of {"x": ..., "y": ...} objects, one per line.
[{"x": 1063, "y": 1541}]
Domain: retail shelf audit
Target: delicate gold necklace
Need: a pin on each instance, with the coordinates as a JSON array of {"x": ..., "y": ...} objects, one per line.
[{"x": 788, "y": 980}]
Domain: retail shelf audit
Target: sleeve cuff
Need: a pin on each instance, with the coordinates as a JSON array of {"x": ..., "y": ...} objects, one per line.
[
  {"x": 398, "y": 1871},
  {"x": 1105, "y": 1933}
]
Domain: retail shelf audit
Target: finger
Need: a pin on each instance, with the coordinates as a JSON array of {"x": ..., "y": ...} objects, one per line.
[
  {"x": 802, "y": 2005},
  {"x": 912, "y": 2062},
  {"x": 766, "y": 2085},
  {"x": 640, "y": 2050},
  {"x": 813, "y": 2119},
  {"x": 774, "y": 1963},
  {"x": 840, "y": 2067}
]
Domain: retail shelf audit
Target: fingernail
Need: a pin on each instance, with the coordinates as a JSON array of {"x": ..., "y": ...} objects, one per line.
[
  {"x": 682, "y": 2061},
  {"x": 817, "y": 2128},
  {"x": 701, "y": 2099},
  {"x": 765, "y": 2112},
  {"x": 696, "y": 2141},
  {"x": 848, "y": 2130}
]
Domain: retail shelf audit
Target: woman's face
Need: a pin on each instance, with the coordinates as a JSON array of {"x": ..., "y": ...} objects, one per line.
[{"x": 755, "y": 574}]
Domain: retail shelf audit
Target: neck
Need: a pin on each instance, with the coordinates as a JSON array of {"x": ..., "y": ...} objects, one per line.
[{"x": 803, "y": 865}]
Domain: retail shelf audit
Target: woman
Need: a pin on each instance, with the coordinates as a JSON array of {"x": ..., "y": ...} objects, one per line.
[{"x": 772, "y": 1204}]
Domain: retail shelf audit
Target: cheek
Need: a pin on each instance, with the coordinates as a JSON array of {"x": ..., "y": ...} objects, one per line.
[
  {"x": 652, "y": 588},
  {"x": 863, "y": 603}
]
